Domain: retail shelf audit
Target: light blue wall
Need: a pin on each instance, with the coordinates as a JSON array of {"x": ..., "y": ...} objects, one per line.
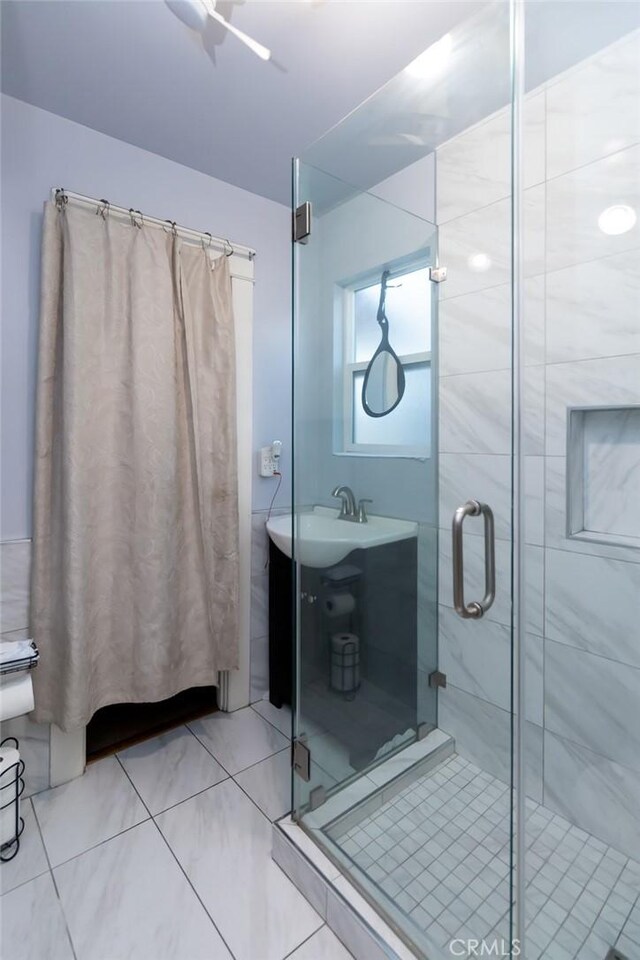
[{"x": 41, "y": 150}]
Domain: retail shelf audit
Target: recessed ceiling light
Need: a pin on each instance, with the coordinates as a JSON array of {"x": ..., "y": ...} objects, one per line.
[
  {"x": 433, "y": 61},
  {"x": 620, "y": 218},
  {"x": 479, "y": 262}
]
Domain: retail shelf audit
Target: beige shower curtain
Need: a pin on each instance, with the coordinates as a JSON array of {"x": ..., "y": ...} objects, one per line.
[{"x": 135, "y": 550}]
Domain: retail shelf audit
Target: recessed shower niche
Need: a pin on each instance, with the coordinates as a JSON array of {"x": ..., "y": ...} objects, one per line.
[{"x": 603, "y": 473}]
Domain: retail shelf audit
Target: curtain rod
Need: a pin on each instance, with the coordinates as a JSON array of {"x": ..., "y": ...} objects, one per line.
[{"x": 104, "y": 208}]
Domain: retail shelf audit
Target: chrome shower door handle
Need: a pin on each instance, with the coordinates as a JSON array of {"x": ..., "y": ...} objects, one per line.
[{"x": 476, "y": 608}]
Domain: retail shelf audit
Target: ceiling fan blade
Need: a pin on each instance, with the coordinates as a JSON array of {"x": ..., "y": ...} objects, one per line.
[{"x": 253, "y": 45}]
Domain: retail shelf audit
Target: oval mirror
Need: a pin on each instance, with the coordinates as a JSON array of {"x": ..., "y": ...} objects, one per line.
[{"x": 384, "y": 380}]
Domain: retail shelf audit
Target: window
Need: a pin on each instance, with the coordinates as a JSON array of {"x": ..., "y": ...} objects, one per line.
[{"x": 406, "y": 431}]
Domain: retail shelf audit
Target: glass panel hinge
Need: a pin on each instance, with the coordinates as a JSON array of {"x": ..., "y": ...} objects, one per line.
[
  {"x": 437, "y": 679},
  {"x": 302, "y": 223},
  {"x": 301, "y": 760},
  {"x": 437, "y": 274}
]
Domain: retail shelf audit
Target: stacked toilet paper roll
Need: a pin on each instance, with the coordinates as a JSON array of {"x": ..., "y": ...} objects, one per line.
[
  {"x": 9, "y": 794},
  {"x": 345, "y": 662},
  {"x": 16, "y": 695}
]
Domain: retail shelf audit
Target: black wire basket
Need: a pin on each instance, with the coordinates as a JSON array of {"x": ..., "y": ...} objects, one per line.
[{"x": 11, "y": 789}]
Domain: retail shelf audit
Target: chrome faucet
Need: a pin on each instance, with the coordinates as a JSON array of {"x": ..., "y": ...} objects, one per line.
[{"x": 349, "y": 510}]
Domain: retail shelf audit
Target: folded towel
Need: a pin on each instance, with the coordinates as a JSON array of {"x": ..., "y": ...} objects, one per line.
[{"x": 15, "y": 650}]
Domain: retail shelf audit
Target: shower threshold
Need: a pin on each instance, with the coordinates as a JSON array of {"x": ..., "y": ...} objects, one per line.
[{"x": 429, "y": 849}]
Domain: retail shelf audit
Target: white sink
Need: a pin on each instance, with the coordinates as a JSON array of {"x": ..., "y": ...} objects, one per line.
[{"x": 321, "y": 539}]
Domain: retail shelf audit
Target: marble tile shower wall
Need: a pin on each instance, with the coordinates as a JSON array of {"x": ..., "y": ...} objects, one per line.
[
  {"x": 582, "y": 347},
  {"x": 15, "y": 568}
]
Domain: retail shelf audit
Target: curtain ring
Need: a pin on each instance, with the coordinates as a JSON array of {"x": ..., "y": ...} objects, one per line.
[
  {"x": 136, "y": 218},
  {"x": 61, "y": 199},
  {"x": 209, "y": 242},
  {"x": 173, "y": 229},
  {"x": 231, "y": 251},
  {"x": 102, "y": 210}
]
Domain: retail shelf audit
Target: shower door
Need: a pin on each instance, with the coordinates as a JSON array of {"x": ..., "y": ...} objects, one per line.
[
  {"x": 403, "y": 623},
  {"x": 366, "y": 591}
]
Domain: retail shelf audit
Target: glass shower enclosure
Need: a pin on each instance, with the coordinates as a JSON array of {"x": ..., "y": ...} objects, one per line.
[{"x": 466, "y": 539}]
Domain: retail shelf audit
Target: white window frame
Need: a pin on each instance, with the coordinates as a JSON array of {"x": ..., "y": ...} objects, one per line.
[{"x": 346, "y": 320}]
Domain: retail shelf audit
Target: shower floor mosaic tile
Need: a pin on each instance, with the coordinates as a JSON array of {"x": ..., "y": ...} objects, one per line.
[{"x": 440, "y": 850}]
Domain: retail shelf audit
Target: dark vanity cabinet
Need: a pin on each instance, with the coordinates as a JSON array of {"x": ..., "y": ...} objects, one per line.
[{"x": 358, "y": 664}]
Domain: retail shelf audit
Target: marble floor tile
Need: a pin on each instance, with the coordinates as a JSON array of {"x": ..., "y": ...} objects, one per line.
[
  {"x": 323, "y": 945},
  {"x": 84, "y": 812},
  {"x": 129, "y": 898},
  {"x": 268, "y": 783},
  {"x": 22, "y": 937},
  {"x": 279, "y": 717},
  {"x": 238, "y": 740},
  {"x": 30, "y": 861},
  {"x": 170, "y": 768},
  {"x": 223, "y": 843}
]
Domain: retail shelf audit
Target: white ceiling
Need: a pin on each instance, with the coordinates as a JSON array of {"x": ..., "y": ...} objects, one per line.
[{"x": 131, "y": 69}]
